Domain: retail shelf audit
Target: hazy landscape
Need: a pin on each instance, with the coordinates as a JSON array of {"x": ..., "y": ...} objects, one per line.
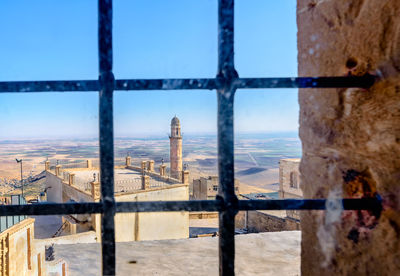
[{"x": 256, "y": 156}]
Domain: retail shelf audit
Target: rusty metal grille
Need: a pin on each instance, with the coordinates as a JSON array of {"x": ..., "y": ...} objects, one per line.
[{"x": 225, "y": 83}]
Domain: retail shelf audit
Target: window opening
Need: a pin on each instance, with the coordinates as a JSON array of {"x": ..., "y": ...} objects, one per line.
[{"x": 225, "y": 83}]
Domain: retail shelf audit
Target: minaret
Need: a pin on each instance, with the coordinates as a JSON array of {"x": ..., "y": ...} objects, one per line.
[{"x": 175, "y": 142}]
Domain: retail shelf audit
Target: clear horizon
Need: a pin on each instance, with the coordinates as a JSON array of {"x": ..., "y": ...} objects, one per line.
[
  {"x": 273, "y": 134},
  {"x": 50, "y": 40}
]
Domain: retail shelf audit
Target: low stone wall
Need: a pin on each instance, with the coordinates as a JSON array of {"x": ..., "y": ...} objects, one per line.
[
  {"x": 262, "y": 222},
  {"x": 153, "y": 225},
  {"x": 203, "y": 215},
  {"x": 155, "y": 175},
  {"x": 60, "y": 191}
]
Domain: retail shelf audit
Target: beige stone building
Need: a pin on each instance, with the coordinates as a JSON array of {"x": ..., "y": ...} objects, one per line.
[
  {"x": 289, "y": 184},
  {"x": 289, "y": 178},
  {"x": 207, "y": 187},
  {"x": 132, "y": 183},
  {"x": 21, "y": 254}
]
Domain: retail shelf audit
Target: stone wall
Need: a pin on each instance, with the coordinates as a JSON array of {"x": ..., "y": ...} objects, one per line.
[
  {"x": 351, "y": 136},
  {"x": 258, "y": 221},
  {"x": 129, "y": 226},
  {"x": 16, "y": 251},
  {"x": 153, "y": 225},
  {"x": 54, "y": 188},
  {"x": 21, "y": 255},
  {"x": 156, "y": 175},
  {"x": 61, "y": 191}
]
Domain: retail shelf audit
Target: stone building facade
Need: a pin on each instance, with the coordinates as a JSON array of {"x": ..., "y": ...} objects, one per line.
[
  {"x": 289, "y": 183},
  {"x": 207, "y": 187},
  {"x": 350, "y": 136},
  {"x": 289, "y": 178},
  {"x": 131, "y": 183},
  {"x": 265, "y": 221},
  {"x": 147, "y": 186},
  {"x": 20, "y": 255}
]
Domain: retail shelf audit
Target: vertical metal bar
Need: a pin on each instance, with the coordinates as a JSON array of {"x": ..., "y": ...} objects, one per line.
[
  {"x": 226, "y": 75},
  {"x": 226, "y": 182},
  {"x": 106, "y": 81},
  {"x": 22, "y": 182},
  {"x": 226, "y": 67}
]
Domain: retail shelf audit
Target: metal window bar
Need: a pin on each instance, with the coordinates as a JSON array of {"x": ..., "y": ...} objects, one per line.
[{"x": 225, "y": 83}]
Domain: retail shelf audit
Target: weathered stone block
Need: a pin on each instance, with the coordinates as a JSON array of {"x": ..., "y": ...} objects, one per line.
[
  {"x": 128, "y": 161},
  {"x": 145, "y": 182},
  {"x": 150, "y": 165},
  {"x": 163, "y": 170}
]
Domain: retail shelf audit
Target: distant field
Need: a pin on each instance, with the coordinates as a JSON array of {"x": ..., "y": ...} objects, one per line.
[{"x": 256, "y": 155}]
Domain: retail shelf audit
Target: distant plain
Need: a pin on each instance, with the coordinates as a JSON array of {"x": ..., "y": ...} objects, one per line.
[{"x": 256, "y": 156}]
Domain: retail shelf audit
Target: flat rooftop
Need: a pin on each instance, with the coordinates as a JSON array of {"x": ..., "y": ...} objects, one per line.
[
  {"x": 272, "y": 253},
  {"x": 297, "y": 160},
  {"x": 125, "y": 179}
]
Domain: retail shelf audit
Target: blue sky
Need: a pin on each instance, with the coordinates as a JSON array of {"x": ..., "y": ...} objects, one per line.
[{"x": 57, "y": 40}]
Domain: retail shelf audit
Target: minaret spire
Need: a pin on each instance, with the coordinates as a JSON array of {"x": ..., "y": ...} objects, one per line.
[{"x": 175, "y": 140}]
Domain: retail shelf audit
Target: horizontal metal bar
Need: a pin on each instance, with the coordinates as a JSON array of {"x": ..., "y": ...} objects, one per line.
[
  {"x": 192, "y": 205},
  {"x": 166, "y": 84},
  {"x": 157, "y": 206},
  {"x": 51, "y": 209},
  {"x": 49, "y": 86},
  {"x": 187, "y": 84},
  {"x": 308, "y": 204},
  {"x": 365, "y": 81}
]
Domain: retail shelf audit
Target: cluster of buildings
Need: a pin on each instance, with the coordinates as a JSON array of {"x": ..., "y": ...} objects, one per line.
[
  {"x": 140, "y": 182},
  {"x": 22, "y": 254}
]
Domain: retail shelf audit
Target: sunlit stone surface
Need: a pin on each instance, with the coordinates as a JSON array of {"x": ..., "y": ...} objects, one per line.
[
  {"x": 350, "y": 137},
  {"x": 273, "y": 253}
]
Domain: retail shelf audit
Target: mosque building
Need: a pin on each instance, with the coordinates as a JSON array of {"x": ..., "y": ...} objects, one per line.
[{"x": 140, "y": 182}]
